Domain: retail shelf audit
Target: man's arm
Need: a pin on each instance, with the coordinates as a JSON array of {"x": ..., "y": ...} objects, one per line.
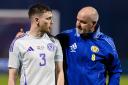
[
  {"x": 114, "y": 65},
  {"x": 13, "y": 62},
  {"x": 12, "y": 76},
  {"x": 114, "y": 71},
  {"x": 59, "y": 73}
]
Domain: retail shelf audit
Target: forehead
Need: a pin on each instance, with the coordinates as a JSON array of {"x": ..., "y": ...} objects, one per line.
[
  {"x": 88, "y": 13},
  {"x": 83, "y": 16}
]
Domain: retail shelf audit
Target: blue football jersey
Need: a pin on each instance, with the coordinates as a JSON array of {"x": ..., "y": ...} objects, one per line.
[{"x": 88, "y": 59}]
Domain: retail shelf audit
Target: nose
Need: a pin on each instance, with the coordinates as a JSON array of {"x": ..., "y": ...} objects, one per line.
[
  {"x": 78, "y": 23},
  {"x": 52, "y": 22}
]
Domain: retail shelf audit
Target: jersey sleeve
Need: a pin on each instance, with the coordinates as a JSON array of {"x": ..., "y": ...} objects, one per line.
[
  {"x": 114, "y": 65},
  {"x": 14, "y": 61},
  {"x": 59, "y": 53}
]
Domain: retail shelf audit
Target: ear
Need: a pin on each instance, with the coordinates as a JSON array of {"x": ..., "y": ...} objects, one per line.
[
  {"x": 94, "y": 24},
  {"x": 36, "y": 20}
]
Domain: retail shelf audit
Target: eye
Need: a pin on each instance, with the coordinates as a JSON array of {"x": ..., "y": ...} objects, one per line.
[
  {"x": 81, "y": 21},
  {"x": 84, "y": 22},
  {"x": 49, "y": 18}
]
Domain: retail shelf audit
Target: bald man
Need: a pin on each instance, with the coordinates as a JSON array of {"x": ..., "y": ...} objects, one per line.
[{"x": 89, "y": 55}]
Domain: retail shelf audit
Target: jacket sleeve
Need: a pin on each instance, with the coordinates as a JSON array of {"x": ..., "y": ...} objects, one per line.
[{"x": 114, "y": 65}]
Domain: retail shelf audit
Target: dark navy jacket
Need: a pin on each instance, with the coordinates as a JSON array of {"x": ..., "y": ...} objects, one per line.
[{"x": 88, "y": 59}]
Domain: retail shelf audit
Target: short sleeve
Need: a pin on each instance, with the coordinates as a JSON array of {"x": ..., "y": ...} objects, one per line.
[
  {"x": 14, "y": 61},
  {"x": 59, "y": 53}
]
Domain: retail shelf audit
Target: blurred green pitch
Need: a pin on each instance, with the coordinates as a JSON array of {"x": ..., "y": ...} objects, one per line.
[{"x": 4, "y": 79}]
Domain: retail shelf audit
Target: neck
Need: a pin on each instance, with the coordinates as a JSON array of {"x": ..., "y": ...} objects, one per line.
[
  {"x": 87, "y": 35},
  {"x": 34, "y": 31}
]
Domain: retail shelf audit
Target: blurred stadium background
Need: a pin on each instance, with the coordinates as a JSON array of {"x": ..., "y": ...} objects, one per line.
[{"x": 113, "y": 21}]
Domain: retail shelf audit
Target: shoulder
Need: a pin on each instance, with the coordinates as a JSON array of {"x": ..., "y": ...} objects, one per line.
[
  {"x": 107, "y": 39},
  {"x": 52, "y": 39},
  {"x": 16, "y": 42},
  {"x": 65, "y": 34},
  {"x": 64, "y": 37},
  {"x": 68, "y": 31},
  {"x": 18, "y": 39},
  {"x": 55, "y": 42}
]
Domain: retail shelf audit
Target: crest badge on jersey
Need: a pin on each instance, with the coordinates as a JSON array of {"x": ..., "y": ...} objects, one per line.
[
  {"x": 51, "y": 46},
  {"x": 40, "y": 47},
  {"x": 94, "y": 49}
]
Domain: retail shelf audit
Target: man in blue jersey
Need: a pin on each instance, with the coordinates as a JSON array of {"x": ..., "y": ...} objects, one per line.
[{"x": 89, "y": 55}]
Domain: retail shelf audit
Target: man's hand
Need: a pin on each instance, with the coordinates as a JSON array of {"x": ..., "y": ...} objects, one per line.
[{"x": 20, "y": 33}]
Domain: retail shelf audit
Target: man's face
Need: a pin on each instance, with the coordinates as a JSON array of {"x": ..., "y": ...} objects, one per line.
[
  {"x": 45, "y": 22},
  {"x": 84, "y": 23}
]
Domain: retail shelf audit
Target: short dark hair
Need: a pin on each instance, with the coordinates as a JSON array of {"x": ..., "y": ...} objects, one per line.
[{"x": 38, "y": 9}]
